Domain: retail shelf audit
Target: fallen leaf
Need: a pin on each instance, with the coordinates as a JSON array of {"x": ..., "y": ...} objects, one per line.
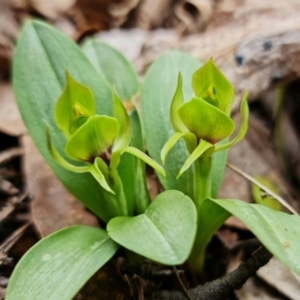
[{"x": 10, "y": 119}]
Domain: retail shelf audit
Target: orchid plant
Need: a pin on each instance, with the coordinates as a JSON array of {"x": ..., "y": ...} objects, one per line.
[{"x": 73, "y": 104}]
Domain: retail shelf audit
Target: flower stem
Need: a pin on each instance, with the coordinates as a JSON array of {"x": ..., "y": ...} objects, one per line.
[{"x": 202, "y": 190}]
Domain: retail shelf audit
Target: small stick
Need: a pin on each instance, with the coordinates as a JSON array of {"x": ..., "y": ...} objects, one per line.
[
  {"x": 182, "y": 284},
  {"x": 264, "y": 188}
]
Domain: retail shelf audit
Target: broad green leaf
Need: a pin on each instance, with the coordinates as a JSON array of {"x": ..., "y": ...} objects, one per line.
[
  {"x": 266, "y": 200},
  {"x": 176, "y": 102},
  {"x": 244, "y": 111},
  {"x": 42, "y": 56},
  {"x": 189, "y": 138},
  {"x": 92, "y": 139},
  {"x": 203, "y": 149},
  {"x": 75, "y": 101},
  {"x": 217, "y": 170},
  {"x": 141, "y": 195},
  {"x": 141, "y": 155},
  {"x": 60, "y": 264},
  {"x": 164, "y": 233},
  {"x": 205, "y": 120},
  {"x": 279, "y": 232},
  {"x": 114, "y": 66},
  {"x": 211, "y": 85},
  {"x": 157, "y": 94}
]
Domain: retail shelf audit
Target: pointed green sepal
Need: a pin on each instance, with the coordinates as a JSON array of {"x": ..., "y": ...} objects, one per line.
[
  {"x": 244, "y": 111},
  {"x": 75, "y": 101},
  {"x": 94, "y": 138},
  {"x": 120, "y": 113},
  {"x": 204, "y": 149},
  {"x": 211, "y": 85},
  {"x": 141, "y": 155},
  {"x": 98, "y": 169},
  {"x": 61, "y": 161},
  {"x": 189, "y": 138},
  {"x": 205, "y": 120},
  {"x": 176, "y": 122}
]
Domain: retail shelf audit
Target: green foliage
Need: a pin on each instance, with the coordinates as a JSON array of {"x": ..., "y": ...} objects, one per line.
[
  {"x": 156, "y": 234},
  {"x": 212, "y": 86},
  {"x": 59, "y": 265},
  {"x": 278, "y": 232},
  {"x": 156, "y": 97},
  {"x": 80, "y": 111},
  {"x": 120, "y": 74}
]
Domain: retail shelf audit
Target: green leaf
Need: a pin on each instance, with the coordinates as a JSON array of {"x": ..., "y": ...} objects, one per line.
[
  {"x": 141, "y": 195},
  {"x": 164, "y": 233},
  {"x": 205, "y": 120},
  {"x": 279, "y": 232},
  {"x": 92, "y": 139},
  {"x": 157, "y": 94},
  {"x": 124, "y": 136},
  {"x": 115, "y": 67},
  {"x": 244, "y": 111},
  {"x": 190, "y": 139},
  {"x": 211, "y": 85},
  {"x": 218, "y": 168},
  {"x": 203, "y": 149},
  {"x": 60, "y": 264},
  {"x": 141, "y": 155},
  {"x": 75, "y": 101},
  {"x": 176, "y": 102},
  {"x": 42, "y": 56},
  {"x": 266, "y": 200}
]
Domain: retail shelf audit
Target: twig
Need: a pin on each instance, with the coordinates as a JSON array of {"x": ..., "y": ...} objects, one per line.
[
  {"x": 182, "y": 284},
  {"x": 264, "y": 188},
  {"x": 220, "y": 288}
]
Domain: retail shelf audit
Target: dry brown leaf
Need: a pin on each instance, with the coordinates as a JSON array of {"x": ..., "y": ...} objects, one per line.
[
  {"x": 281, "y": 278},
  {"x": 51, "y": 9},
  {"x": 53, "y": 207},
  {"x": 8, "y": 32},
  {"x": 153, "y": 13},
  {"x": 10, "y": 119},
  {"x": 194, "y": 14}
]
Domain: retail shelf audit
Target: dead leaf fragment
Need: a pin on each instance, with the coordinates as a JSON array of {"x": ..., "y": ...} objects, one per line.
[
  {"x": 10, "y": 119},
  {"x": 51, "y": 9}
]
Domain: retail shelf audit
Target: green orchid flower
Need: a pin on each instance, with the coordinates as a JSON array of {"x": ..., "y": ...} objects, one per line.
[
  {"x": 205, "y": 120},
  {"x": 97, "y": 140}
]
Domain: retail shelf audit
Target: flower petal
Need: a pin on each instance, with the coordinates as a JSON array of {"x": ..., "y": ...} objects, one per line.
[
  {"x": 141, "y": 155},
  {"x": 189, "y": 138},
  {"x": 61, "y": 161},
  {"x": 96, "y": 169},
  {"x": 244, "y": 111},
  {"x": 205, "y": 120},
  {"x": 204, "y": 149},
  {"x": 211, "y": 85},
  {"x": 176, "y": 102},
  {"x": 75, "y": 101},
  {"x": 93, "y": 139}
]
